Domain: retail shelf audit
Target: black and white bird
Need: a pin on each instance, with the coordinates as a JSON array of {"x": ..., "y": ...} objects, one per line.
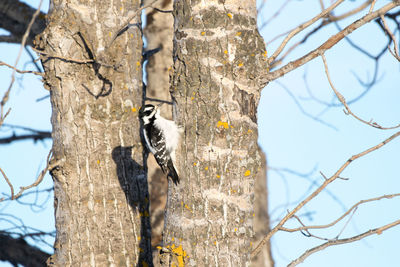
[{"x": 161, "y": 137}]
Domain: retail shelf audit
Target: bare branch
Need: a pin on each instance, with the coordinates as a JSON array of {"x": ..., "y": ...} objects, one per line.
[
  {"x": 24, "y": 38},
  {"x": 333, "y": 40},
  {"x": 35, "y": 137},
  {"x": 322, "y": 25},
  {"x": 318, "y": 190},
  {"x": 11, "y": 250},
  {"x": 309, "y": 252},
  {"x": 39, "y": 178},
  {"x": 315, "y": 118},
  {"x": 20, "y": 71},
  {"x": 393, "y": 38},
  {"x": 8, "y": 182},
  {"x": 341, "y": 217},
  {"x": 343, "y": 101},
  {"x": 15, "y": 17},
  {"x": 275, "y": 14},
  {"x": 128, "y": 21},
  {"x": 302, "y": 27},
  {"x": 372, "y": 6}
]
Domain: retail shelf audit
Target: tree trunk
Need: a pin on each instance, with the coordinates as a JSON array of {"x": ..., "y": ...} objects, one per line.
[
  {"x": 158, "y": 32},
  {"x": 95, "y": 82},
  {"x": 261, "y": 220},
  {"x": 218, "y": 54}
]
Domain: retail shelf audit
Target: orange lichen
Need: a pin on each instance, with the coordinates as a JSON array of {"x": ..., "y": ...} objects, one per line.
[{"x": 133, "y": 109}]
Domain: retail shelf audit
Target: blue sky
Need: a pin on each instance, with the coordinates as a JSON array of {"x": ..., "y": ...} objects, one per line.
[{"x": 291, "y": 140}]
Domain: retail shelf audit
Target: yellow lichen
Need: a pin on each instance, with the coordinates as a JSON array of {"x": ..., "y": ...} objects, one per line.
[
  {"x": 240, "y": 64},
  {"x": 206, "y": 168},
  {"x": 238, "y": 33},
  {"x": 203, "y": 33},
  {"x": 222, "y": 123},
  {"x": 189, "y": 209},
  {"x": 180, "y": 254},
  {"x": 218, "y": 176},
  {"x": 98, "y": 161},
  {"x": 225, "y": 52},
  {"x": 229, "y": 15},
  {"x": 133, "y": 109},
  {"x": 247, "y": 173}
]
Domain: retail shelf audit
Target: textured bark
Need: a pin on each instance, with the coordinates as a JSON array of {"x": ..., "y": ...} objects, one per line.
[
  {"x": 158, "y": 32},
  {"x": 218, "y": 56},
  {"x": 261, "y": 220},
  {"x": 100, "y": 187}
]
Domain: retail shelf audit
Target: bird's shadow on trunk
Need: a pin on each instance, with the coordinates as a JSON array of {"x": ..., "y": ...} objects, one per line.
[{"x": 132, "y": 178}]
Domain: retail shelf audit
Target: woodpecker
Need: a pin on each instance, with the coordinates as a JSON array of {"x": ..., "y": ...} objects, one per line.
[{"x": 161, "y": 137}]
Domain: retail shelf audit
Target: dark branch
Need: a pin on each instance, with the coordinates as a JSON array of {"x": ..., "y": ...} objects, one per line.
[
  {"x": 39, "y": 136},
  {"x": 17, "y": 251},
  {"x": 15, "y": 17}
]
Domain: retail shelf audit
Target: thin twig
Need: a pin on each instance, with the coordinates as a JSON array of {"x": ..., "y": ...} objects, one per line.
[
  {"x": 24, "y": 38},
  {"x": 20, "y": 71},
  {"x": 317, "y": 191},
  {"x": 342, "y": 241},
  {"x": 128, "y": 21},
  {"x": 322, "y": 25},
  {"x": 396, "y": 49},
  {"x": 8, "y": 182},
  {"x": 333, "y": 40},
  {"x": 290, "y": 230},
  {"x": 74, "y": 60},
  {"x": 343, "y": 101},
  {"x": 372, "y": 6},
  {"x": 39, "y": 178},
  {"x": 302, "y": 27}
]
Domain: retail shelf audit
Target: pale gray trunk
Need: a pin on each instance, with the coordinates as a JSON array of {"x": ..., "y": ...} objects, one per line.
[
  {"x": 101, "y": 198},
  {"x": 218, "y": 55}
]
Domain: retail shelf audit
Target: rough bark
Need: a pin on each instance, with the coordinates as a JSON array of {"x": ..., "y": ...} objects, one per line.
[
  {"x": 218, "y": 55},
  {"x": 261, "y": 220},
  {"x": 100, "y": 187},
  {"x": 158, "y": 32}
]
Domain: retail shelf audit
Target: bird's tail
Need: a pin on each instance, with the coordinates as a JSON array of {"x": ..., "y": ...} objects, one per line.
[{"x": 172, "y": 172}]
